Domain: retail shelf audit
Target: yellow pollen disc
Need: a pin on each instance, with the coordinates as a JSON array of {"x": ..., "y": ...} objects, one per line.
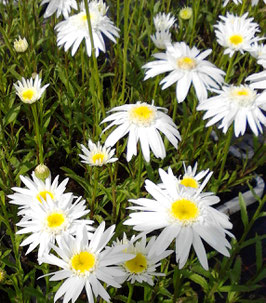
[
  {"x": 42, "y": 195},
  {"x": 28, "y": 94},
  {"x": 242, "y": 92},
  {"x": 184, "y": 210},
  {"x": 142, "y": 115},
  {"x": 186, "y": 63},
  {"x": 137, "y": 265},
  {"x": 83, "y": 262},
  {"x": 98, "y": 158},
  {"x": 55, "y": 220},
  {"x": 236, "y": 39},
  {"x": 189, "y": 182}
]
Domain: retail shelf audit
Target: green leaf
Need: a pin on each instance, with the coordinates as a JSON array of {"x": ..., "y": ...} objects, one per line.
[
  {"x": 197, "y": 279},
  {"x": 11, "y": 114},
  {"x": 243, "y": 209},
  {"x": 239, "y": 288},
  {"x": 260, "y": 276},
  {"x": 236, "y": 271}
]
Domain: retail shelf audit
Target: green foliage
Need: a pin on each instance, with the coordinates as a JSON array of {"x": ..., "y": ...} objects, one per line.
[{"x": 81, "y": 92}]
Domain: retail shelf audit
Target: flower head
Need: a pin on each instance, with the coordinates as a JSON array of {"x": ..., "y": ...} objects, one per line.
[
  {"x": 37, "y": 191},
  {"x": 85, "y": 263},
  {"x": 97, "y": 155},
  {"x": 185, "y": 215},
  {"x": 258, "y": 51},
  {"x": 29, "y": 91},
  {"x": 20, "y": 45},
  {"x": 50, "y": 221},
  {"x": 238, "y": 104},
  {"x": 186, "y": 13},
  {"x": 163, "y": 22},
  {"x": 142, "y": 267},
  {"x": 161, "y": 39},
  {"x": 258, "y": 80},
  {"x": 61, "y": 7},
  {"x": 236, "y": 33},
  {"x": 73, "y": 30},
  {"x": 42, "y": 172},
  {"x": 142, "y": 121},
  {"x": 185, "y": 66}
]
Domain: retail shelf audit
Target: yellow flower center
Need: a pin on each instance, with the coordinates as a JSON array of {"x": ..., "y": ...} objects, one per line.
[
  {"x": 189, "y": 182},
  {"x": 42, "y": 195},
  {"x": 184, "y": 210},
  {"x": 236, "y": 39},
  {"x": 142, "y": 115},
  {"x": 98, "y": 158},
  {"x": 136, "y": 265},
  {"x": 28, "y": 94},
  {"x": 243, "y": 96},
  {"x": 55, "y": 220},
  {"x": 186, "y": 63},
  {"x": 83, "y": 262}
]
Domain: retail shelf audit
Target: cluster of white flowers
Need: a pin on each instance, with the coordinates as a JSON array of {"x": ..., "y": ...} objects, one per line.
[
  {"x": 162, "y": 23},
  {"x": 253, "y": 2}
]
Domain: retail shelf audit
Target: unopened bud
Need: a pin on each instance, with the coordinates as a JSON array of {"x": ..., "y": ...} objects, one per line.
[
  {"x": 2, "y": 275},
  {"x": 185, "y": 13},
  {"x": 20, "y": 45},
  {"x": 42, "y": 172}
]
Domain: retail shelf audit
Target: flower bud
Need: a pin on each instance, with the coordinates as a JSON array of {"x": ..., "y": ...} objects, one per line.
[
  {"x": 21, "y": 45},
  {"x": 2, "y": 275},
  {"x": 42, "y": 172},
  {"x": 186, "y": 13}
]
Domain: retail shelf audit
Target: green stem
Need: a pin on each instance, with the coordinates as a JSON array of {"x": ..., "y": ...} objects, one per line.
[
  {"x": 177, "y": 284},
  {"x": 130, "y": 292},
  {"x": 38, "y": 134},
  {"x": 94, "y": 193},
  {"x": 113, "y": 193},
  {"x": 196, "y": 6},
  {"x": 95, "y": 72},
  {"x": 228, "y": 72},
  {"x": 225, "y": 153},
  {"x": 243, "y": 7},
  {"x": 139, "y": 171},
  {"x": 126, "y": 39}
]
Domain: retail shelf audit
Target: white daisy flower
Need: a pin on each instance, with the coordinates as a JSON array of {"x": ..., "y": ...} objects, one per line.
[
  {"x": 235, "y": 1},
  {"x": 161, "y": 39},
  {"x": 185, "y": 215},
  {"x": 143, "y": 122},
  {"x": 97, "y": 155},
  {"x": 238, "y": 104},
  {"x": 255, "y": 2},
  {"x": 49, "y": 221},
  {"x": 186, "y": 65},
  {"x": 21, "y": 45},
  {"x": 258, "y": 51},
  {"x": 37, "y": 192},
  {"x": 29, "y": 91},
  {"x": 192, "y": 179},
  {"x": 85, "y": 264},
  {"x": 258, "y": 80},
  {"x": 163, "y": 22},
  {"x": 61, "y": 7},
  {"x": 73, "y": 30},
  {"x": 142, "y": 267},
  {"x": 236, "y": 33}
]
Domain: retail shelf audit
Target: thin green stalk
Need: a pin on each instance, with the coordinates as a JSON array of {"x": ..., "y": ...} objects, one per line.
[
  {"x": 177, "y": 284},
  {"x": 38, "y": 134},
  {"x": 229, "y": 69},
  {"x": 225, "y": 152},
  {"x": 95, "y": 72},
  {"x": 243, "y": 7},
  {"x": 113, "y": 193},
  {"x": 139, "y": 171},
  {"x": 94, "y": 193},
  {"x": 126, "y": 39},
  {"x": 196, "y": 6},
  {"x": 130, "y": 292}
]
